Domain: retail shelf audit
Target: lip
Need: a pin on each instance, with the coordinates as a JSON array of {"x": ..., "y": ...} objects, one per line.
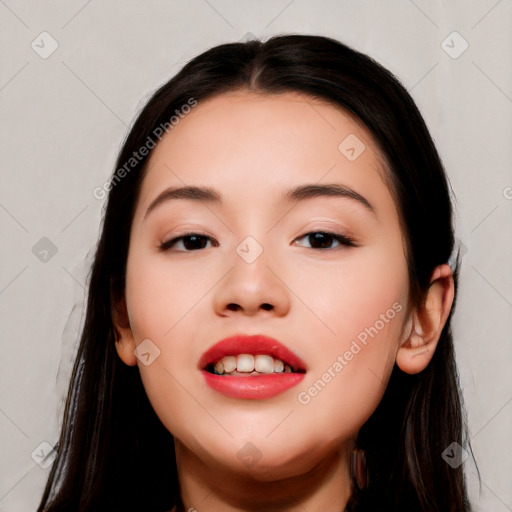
[{"x": 251, "y": 387}]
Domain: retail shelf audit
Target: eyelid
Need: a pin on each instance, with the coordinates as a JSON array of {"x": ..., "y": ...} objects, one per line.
[
  {"x": 335, "y": 228},
  {"x": 344, "y": 240},
  {"x": 343, "y": 236},
  {"x": 169, "y": 242}
]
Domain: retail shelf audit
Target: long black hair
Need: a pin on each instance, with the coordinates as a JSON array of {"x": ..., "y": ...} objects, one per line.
[{"x": 113, "y": 452}]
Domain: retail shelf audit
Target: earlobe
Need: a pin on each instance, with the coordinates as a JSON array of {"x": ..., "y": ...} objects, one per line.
[
  {"x": 125, "y": 343},
  {"x": 427, "y": 323}
]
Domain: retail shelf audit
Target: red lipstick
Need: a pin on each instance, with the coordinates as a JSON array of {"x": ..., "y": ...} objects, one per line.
[{"x": 249, "y": 386}]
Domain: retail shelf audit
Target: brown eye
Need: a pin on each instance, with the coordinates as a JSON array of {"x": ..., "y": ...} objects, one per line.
[
  {"x": 324, "y": 240},
  {"x": 187, "y": 243}
]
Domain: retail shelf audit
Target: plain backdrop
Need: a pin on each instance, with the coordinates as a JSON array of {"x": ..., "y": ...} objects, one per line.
[{"x": 73, "y": 75}]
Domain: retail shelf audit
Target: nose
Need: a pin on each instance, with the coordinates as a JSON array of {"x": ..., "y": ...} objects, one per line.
[{"x": 253, "y": 288}]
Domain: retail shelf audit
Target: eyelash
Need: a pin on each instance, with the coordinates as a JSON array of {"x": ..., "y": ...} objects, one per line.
[{"x": 342, "y": 239}]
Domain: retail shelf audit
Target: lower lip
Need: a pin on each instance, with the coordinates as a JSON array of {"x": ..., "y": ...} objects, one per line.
[{"x": 252, "y": 387}]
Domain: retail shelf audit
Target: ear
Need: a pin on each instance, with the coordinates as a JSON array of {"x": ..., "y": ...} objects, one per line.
[
  {"x": 426, "y": 323},
  {"x": 125, "y": 344}
]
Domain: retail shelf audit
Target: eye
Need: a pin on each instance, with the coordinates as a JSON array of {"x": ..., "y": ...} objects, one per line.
[
  {"x": 317, "y": 240},
  {"x": 325, "y": 239},
  {"x": 187, "y": 243}
]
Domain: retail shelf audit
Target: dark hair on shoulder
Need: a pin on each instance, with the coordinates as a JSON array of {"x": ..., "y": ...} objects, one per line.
[{"x": 114, "y": 453}]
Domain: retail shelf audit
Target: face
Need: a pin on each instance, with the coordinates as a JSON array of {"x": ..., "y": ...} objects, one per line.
[{"x": 322, "y": 271}]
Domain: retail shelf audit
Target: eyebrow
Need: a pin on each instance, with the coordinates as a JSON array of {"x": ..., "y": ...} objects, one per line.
[
  {"x": 301, "y": 193},
  {"x": 331, "y": 190}
]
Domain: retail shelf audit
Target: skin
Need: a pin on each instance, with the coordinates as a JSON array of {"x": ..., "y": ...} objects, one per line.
[{"x": 252, "y": 149}]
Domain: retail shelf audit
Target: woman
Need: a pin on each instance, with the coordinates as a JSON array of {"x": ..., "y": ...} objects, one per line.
[{"x": 268, "y": 319}]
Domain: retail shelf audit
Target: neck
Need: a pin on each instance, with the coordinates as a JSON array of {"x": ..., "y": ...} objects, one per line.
[{"x": 205, "y": 488}]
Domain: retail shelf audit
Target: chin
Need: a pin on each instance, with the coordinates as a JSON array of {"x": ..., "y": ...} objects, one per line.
[{"x": 264, "y": 460}]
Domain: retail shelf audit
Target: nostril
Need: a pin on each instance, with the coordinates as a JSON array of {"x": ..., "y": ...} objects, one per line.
[
  {"x": 233, "y": 307},
  {"x": 267, "y": 306}
]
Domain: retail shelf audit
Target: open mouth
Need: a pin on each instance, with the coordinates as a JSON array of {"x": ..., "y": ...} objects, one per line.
[
  {"x": 245, "y": 365},
  {"x": 251, "y": 367}
]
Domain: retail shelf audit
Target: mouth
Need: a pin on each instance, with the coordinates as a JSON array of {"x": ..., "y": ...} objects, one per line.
[
  {"x": 245, "y": 365},
  {"x": 251, "y": 367}
]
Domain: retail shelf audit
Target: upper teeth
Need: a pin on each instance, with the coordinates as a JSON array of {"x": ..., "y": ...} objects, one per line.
[{"x": 247, "y": 363}]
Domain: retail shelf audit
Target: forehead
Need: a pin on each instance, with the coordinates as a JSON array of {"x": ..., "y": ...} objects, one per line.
[
  {"x": 250, "y": 144},
  {"x": 238, "y": 117}
]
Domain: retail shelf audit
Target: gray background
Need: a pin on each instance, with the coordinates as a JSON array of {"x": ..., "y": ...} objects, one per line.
[{"x": 64, "y": 117}]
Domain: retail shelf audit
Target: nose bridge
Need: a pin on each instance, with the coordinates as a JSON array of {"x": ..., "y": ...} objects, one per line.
[
  {"x": 252, "y": 284},
  {"x": 250, "y": 250},
  {"x": 251, "y": 273}
]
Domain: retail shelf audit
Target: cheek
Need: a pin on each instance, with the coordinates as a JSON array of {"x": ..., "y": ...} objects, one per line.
[
  {"x": 160, "y": 294},
  {"x": 353, "y": 293},
  {"x": 164, "y": 303},
  {"x": 349, "y": 377},
  {"x": 363, "y": 308}
]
